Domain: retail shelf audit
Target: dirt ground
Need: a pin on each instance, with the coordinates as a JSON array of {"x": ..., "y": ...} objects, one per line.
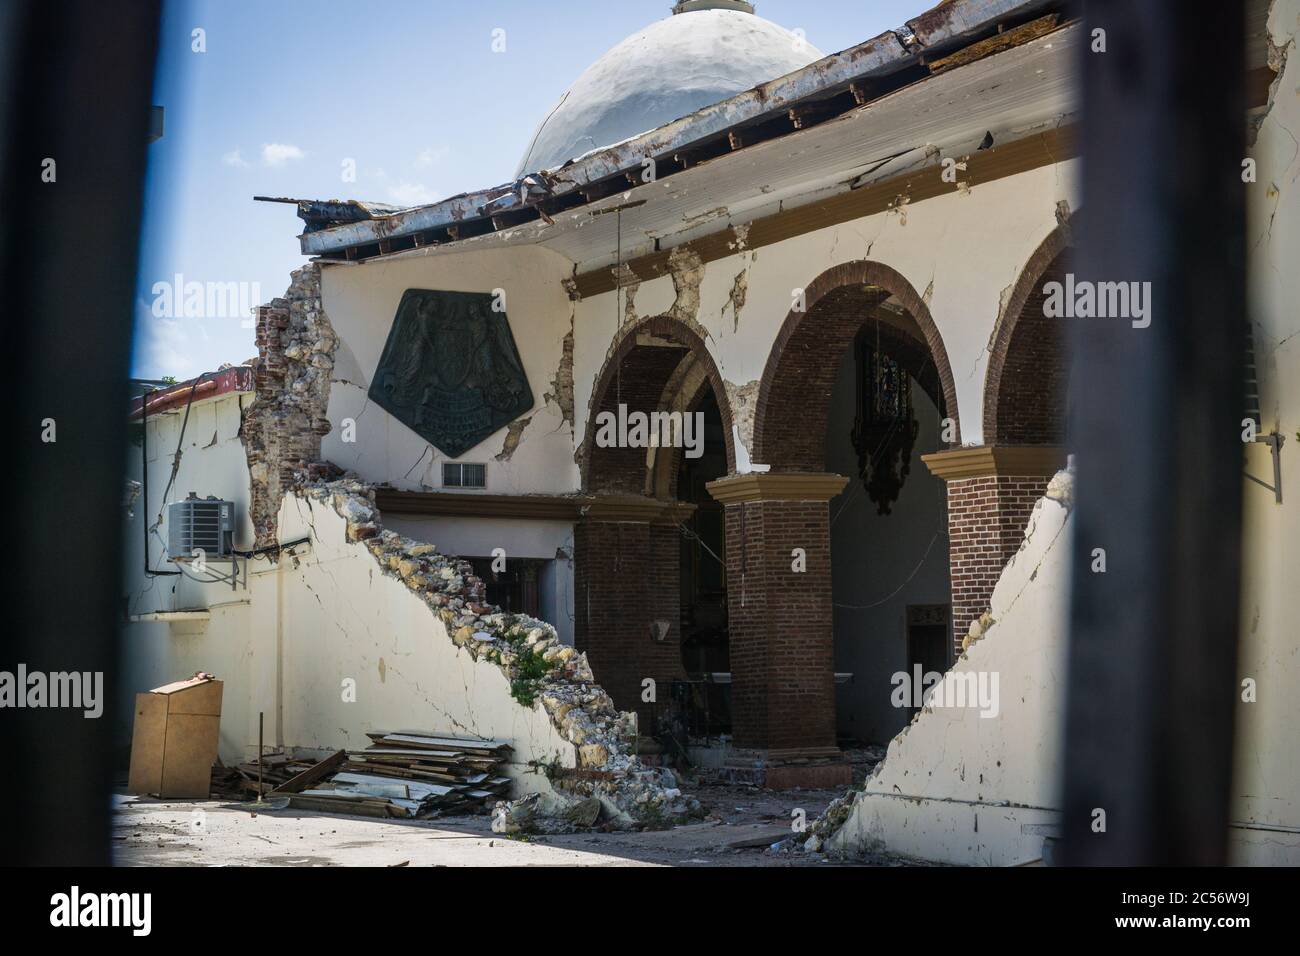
[{"x": 741, "y": 825}]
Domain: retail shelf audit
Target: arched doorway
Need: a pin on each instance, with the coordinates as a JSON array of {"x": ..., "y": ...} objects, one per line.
[
  {"x": 857, "y": 385},
  {"x": 647, "y": 550},
  {"x": 794, "y": 394}
]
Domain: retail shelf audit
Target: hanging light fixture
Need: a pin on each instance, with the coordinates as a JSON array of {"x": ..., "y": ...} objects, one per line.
[{"x": 884, "y": 428}]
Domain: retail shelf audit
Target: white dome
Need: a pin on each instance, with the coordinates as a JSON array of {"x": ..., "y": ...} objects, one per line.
[{"x": 668, "y": 70}]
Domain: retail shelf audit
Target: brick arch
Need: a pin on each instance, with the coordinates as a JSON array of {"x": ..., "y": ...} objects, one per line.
[
  {"x": 685, "y": 392},
  {"x": 794, "y": 394},
  {"x": 647, "y": 375},
  {"x": 1024, "y": 381}
]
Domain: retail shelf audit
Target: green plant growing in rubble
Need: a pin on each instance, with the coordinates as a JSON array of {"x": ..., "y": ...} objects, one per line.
[
  {"x": 529, "y": 669},
  {"x": 529, "y": 672}
]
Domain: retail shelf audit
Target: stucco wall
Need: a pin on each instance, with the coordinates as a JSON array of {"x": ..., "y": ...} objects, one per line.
[
  {"x": 284, "y": 644},
  {"x": 961, "y": 252},
  {"x": 155, "y": 653},
  {"x": 334, "y": 616},
  {"x": 361, "y": 302},
  {"x": 946, "y": 775}
]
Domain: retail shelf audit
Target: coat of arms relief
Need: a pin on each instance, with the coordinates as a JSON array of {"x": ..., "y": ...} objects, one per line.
[{"x": 450, "y": 370}]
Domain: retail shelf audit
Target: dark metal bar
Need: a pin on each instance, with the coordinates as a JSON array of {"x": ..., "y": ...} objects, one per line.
[{"x": 1156, "y": 427}]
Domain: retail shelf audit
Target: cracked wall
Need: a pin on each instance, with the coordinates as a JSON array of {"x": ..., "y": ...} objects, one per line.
[
  {"x": 409, "y": 629},
  {"x": 744, "y": 405},
  {"x": 531, "y": 455},
  {"x": 942, "y": 248},
  {"x": 161, "y": 652},
  {"x": 561, "y": 391}
]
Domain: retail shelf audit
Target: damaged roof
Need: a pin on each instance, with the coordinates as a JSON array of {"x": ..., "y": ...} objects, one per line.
[
  {"x": 822, "y": 90},
  {"x": 324, "y": 213},
  {"x": 177, "y": 395}
]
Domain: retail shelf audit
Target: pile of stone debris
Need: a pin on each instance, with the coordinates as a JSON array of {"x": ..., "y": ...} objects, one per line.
[{"x": 543, "y": 672}]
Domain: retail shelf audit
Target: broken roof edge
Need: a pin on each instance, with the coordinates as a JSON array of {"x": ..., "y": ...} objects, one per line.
[
  {"x": 938, "y": 30},
  {"x": 321, "y": 213},
  {"x": 224, "y": 381}
]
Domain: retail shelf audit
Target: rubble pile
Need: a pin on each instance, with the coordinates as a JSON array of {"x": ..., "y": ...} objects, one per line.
[
  {"x": 240, "y": 782},
  {"x": 542, "y": 672},
  {"x": 409, "y": 775},
  {"x": 828, "y": 823}
]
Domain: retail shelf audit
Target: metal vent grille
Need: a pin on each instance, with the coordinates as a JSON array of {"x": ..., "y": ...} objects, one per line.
[{"x": 205, "y": 525}]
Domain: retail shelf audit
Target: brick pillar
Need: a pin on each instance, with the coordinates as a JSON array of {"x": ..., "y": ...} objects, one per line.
[
  {"x": 627, "y": 569},
  {"x": 780, "y": 624},
  {"x": 992, "y": 490}
]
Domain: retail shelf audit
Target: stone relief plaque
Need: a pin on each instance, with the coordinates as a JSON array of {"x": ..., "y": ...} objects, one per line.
[{"x": 450, "y": 371}]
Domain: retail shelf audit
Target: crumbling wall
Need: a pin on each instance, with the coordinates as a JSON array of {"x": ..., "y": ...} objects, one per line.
[
  {"x": 352, "y": 608},
  {"x": 371, "y": 617},
  {"x": 743, "y": 400},
  {"x": 959, "y": 787},
  {"x": 282, "y": 429}
]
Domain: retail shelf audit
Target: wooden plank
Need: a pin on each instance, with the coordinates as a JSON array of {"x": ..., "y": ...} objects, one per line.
[
  {"x": 997, "y": 44},
  {"x": 147, "y": 744},
  {"x": 189, "y": 750},
  {"x": 402, "y": 773},
  {"x": 443, "y": 743},
  {"x": 359, "y": 781},
  {"x": 373, "y": 808},
  {"x": 397, "y": 752},
  {"x": 308, "y": 777},
  {"x": 195, "y": 697}
]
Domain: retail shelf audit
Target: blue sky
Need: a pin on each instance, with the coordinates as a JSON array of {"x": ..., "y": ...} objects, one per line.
[{"x": 410, "y": 89}]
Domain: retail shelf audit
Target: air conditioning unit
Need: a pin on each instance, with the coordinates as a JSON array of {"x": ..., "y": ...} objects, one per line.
[{"x": 205, "y": 525}]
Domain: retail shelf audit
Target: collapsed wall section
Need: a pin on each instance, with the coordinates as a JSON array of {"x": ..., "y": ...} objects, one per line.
[
  {"x": 452, "y": 661},
  {"x": 366, "y": 604},
  {"x": 975, "y": 783}
]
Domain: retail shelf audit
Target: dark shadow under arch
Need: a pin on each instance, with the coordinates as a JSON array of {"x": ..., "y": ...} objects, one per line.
[
  {"x": 794, "y": 394},
  {"x": 646, "y": 372}
]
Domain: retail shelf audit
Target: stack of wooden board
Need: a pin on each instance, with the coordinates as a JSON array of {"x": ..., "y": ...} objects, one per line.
[
  {"x": 241, "y": 781},
  {"x": 406, "y": 775}
]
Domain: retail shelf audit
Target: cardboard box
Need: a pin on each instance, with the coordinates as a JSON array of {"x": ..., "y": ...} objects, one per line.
[{"x": 174, "y": 741}]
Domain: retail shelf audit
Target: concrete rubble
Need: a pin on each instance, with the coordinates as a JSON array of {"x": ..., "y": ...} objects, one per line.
[
  {"x": 282, "y": 432},
  {"x": 610, "y": 785}
]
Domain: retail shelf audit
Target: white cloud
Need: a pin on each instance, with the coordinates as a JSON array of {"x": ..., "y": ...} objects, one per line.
[
  {"x": 233, "y": 158},
  {"x": 433, "y": 154},
  {"x": 411, "y": 194},
  {"x": 277, "y": 154}
]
